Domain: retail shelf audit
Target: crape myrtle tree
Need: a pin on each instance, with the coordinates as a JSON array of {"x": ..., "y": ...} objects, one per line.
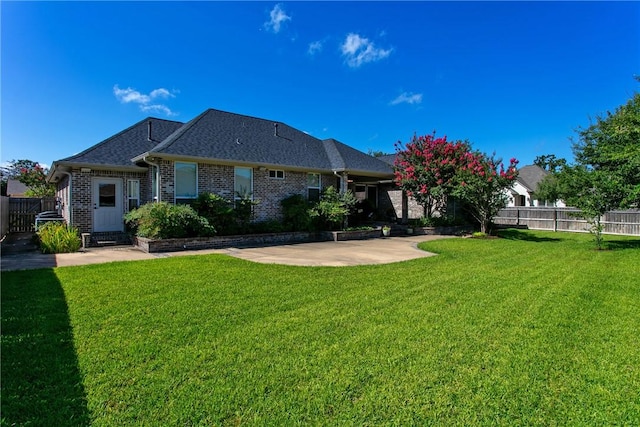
[
  {"x": 482, "y": 182},
  {"x": 31, "y": 174},
  {"x": 426, "y": 169},
  {"x": 429, "y": 169}
]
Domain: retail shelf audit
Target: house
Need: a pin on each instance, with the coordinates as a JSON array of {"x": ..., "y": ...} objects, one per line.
[
  {"x": 522, "y": 193},
  {"x": 16, "y": 189},
  {"x": 219, "y": 152}
]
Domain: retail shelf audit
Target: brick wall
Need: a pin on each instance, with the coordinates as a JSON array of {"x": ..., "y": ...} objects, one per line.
[{"x": 82, "y": 194}]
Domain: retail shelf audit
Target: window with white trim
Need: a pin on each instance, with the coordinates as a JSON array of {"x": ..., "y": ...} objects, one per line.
[
  {"x": 186, "y": 181},
  {"x": 276, "y": 174},
  {"x": 133, "y": 194},
  {"x": 313, "y": 187},
  {"x": 243, "y": 182}
]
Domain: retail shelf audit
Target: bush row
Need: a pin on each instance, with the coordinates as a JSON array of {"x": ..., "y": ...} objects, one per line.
[{"x": 211, "y": 214}]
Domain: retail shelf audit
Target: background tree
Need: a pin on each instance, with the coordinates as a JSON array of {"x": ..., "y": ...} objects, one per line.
[
  {"x": 482, "y": 183},
  {"x": 550, "y": 162},
  {"x": 426, "y": 168},
  {"x": 606, "y": 173},
  {"x": 32, "y": 175}
]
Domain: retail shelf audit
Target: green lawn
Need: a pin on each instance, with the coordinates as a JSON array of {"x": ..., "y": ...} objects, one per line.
[{"x": 531, "y": 329}]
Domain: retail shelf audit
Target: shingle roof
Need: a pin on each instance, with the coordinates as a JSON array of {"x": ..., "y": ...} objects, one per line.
[
  {"x": 219, "y": 136},
  {"x": 530, "y": 176},
  {"x": 229, "y": 137},
  {"x": 119, "y": 149},
  {"x": 355, "y": 161}
]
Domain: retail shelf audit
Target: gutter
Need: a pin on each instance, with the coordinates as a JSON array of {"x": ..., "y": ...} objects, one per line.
[
  {"x": 70, "y": 195},
  {"x": 158, "y": 186}
]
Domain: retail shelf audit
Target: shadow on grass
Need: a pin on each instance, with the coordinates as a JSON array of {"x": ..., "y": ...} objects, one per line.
[
  {"x": 517, "y": 234},
  {"x": 41, "y": 381},
  {"x": 615, "y": 245}
]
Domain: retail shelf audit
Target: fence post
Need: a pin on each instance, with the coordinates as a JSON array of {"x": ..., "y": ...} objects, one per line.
[
  {"x": 517, "y": 216},
  {"x": 555, "y": 218}
]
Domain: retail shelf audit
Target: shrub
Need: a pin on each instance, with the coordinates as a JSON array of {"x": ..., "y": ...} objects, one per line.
[
  {"x": 295, "y": 210},
  {"x": 165, "y": 221},
  {"x": 217, "y": 210},
  {"x": 268, "y": 226},
  {"x": 56, "y": 237},
  {"x": 332, "y": 209}
]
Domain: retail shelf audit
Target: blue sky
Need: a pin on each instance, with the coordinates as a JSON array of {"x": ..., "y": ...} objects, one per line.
[{"x": 515, "y": 78}]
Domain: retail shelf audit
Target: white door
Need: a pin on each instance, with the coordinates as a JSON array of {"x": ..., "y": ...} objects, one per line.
[{"x": 107, "y": 205}]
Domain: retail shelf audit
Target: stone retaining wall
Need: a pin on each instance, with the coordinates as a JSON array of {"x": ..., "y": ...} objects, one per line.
[{"x": 249, "y": 240}]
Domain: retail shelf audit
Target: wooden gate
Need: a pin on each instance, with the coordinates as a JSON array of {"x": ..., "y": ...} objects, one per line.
[{"x": 23, "y": 211}]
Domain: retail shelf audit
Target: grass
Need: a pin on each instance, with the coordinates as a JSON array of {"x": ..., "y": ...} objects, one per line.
[{"x": 531, "y": 329}]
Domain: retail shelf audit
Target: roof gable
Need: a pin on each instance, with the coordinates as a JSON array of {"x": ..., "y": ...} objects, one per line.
[
  {"x": 530, "y": 176},
  {"x": 119, "y": 149},
  {"x": 355, "y": 161},
  {"x": 220, "y": 136}
]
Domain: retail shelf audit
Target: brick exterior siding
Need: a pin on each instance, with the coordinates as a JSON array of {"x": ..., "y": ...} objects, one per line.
[{"x": 216, "y": 179}]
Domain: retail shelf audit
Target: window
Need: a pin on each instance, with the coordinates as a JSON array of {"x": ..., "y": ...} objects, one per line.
[
  {"x": 106, "y": 195},
  {"x": 243, "y": 182},
  {"x": 154, "y": 183},
  {"x": 133, "y": 194},
  {"x": 186, "y": 181},
  {"x": 313, "y": 187},
  {"x": 276, "y": 174}
]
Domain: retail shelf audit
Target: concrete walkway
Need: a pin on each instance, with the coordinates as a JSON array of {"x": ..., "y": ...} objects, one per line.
[{"x": 353, "y": 252}]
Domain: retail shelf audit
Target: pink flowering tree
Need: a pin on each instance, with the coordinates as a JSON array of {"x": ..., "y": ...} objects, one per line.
[
  {"x": 482, "y": 182},
  {"x": 426, "y": 168},
  {"x": 31, "y": 174}
]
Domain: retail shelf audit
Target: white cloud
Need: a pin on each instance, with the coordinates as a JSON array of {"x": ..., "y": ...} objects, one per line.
[
  {"x": 277, "y": 17},
  {"x": 408, "y": 98},
  {"x": 144, "y": 101},
  {"x": 360, "y": 50},
  {"x": 314, "y": 48}
]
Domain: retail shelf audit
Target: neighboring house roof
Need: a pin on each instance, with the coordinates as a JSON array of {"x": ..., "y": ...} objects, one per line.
[
  {"x": 15, "y": 188},
  {"x": 530, "y": 176},
  {"x": 226, "y": 138}
]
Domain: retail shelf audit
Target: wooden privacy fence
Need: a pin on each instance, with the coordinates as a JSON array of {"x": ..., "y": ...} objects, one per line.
[
  {"x": 4, "y": 215},
  {"x": 565, "y": 219},
  {"x": 23, "y": 211}
]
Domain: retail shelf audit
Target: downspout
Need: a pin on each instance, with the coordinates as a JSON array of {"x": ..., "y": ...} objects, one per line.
[
  {"x": 144, "y": 159},
  {"x": 70, "y": 196}
]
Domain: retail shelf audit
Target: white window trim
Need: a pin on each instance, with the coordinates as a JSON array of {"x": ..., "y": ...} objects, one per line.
[
  {"x": 275, "y": 171},
  {"x": 175, "y": 184},
  {"x": 137, "y": 198}
]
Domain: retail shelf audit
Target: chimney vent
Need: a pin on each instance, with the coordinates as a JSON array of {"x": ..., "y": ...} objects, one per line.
[
  {"x": 149, "y": 136},
  {"x": 275, "y": 129}
]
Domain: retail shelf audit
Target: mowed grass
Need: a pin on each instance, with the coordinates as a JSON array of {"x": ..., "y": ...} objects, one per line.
[{"x": 531, "y": 329}]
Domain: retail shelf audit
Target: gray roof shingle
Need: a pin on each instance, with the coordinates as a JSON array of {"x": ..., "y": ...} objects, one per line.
[
  {"x": 220, "y": 136},
  {"x": 530, "y": 176},
  {"x": 119, "y": 149}
]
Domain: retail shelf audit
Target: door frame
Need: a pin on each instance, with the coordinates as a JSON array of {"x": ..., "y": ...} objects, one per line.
[{"x": 118, "y": 208}]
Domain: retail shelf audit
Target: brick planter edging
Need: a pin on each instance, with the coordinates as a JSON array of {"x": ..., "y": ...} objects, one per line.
[
  {"x": 341, "y": 236},
  {"x": 220, "y": 242},
  {"x": 445, "y": 231},
  {"x": 245, "y": 240}
]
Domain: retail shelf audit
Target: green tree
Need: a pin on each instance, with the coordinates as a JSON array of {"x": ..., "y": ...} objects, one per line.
[
  {"x": 550, "y": 162},
  {"x": 606, "y": 173}
]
